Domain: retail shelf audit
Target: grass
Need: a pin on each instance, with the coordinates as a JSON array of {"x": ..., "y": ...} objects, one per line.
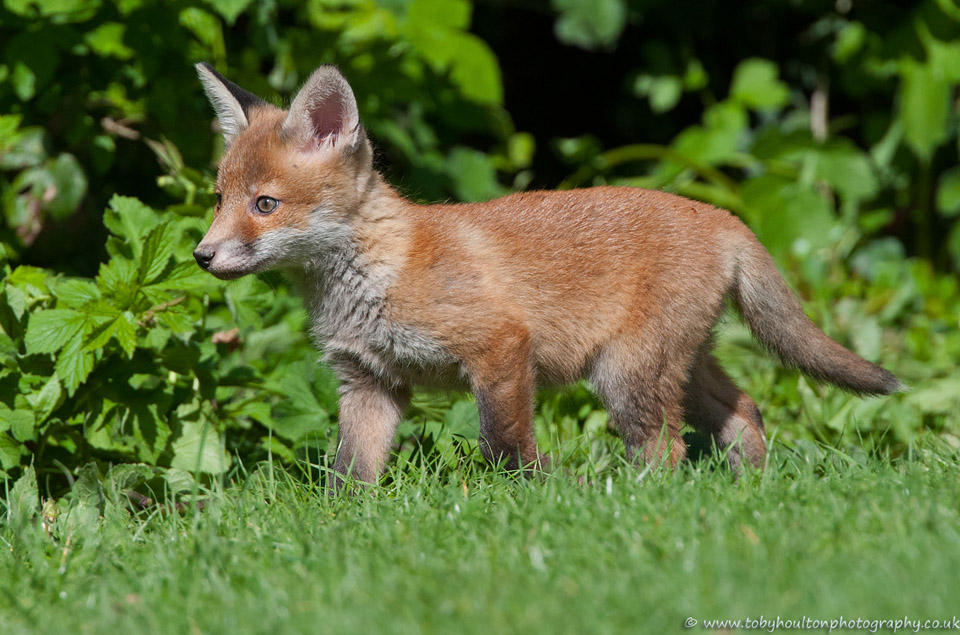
[{"x": 820, "y": 534}]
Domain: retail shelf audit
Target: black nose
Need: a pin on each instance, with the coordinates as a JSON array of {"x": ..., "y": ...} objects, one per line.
[{"x": 204, "y": 256}]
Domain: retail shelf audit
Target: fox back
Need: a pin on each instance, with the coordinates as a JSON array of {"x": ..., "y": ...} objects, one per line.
[{"x": 621, "y": 286}]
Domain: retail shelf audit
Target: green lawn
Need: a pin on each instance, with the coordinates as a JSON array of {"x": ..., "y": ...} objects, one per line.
[{"x": 820, "y": 534}]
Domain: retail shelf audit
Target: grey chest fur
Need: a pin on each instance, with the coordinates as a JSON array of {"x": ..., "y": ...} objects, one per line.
[{"x": 346, "y": 298}]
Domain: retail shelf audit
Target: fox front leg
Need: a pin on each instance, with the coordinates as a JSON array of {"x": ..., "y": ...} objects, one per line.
[{"x": 369, "y": 415}]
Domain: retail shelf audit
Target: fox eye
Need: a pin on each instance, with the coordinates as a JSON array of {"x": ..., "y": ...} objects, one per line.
[
  {"x": 266, "y": 204},
  {"x": 219, "y": 201}
]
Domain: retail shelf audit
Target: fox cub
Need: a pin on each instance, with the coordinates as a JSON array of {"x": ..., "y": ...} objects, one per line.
[{"x": 618, "y": 285}]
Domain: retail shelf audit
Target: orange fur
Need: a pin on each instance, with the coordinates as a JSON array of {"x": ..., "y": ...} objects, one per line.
[{"x": 618, "y": 285}]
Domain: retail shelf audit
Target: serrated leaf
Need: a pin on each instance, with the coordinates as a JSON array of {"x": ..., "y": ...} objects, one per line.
[
  {"x": 24, "y": 501},
  {"x": 129, "y": 219},
  {"x": 156, "y": 252},
  {"x": 126, "y": 333},
  {"x": 183, "y": 276},
  {"x": 19, "y": 422},
  {"x": 74, "y": 292},
  {"x": 44, "y": 401},
  {"x": 122, "y": 327},
  {"x": 118, "y": 279},
  {"x": 176, "y": 319},
  {"x": 16, "y": 300},
  {"x": 50, "y": 330},
  {"x": 74, "y": 364},
  {"x": 32, "y": 280}
]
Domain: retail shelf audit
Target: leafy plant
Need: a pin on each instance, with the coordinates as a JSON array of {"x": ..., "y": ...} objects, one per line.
[{"x": 129, "y": 366}]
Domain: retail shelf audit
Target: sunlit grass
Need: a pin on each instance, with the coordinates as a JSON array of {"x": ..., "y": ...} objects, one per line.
[{"x": 470, "y": 549}]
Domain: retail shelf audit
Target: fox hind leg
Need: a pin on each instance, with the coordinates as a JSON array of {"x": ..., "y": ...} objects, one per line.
[
  {"x": 714, "y": 406},
  {"x": 503, "y": 382},
  {"x": 644, "y": 396}
]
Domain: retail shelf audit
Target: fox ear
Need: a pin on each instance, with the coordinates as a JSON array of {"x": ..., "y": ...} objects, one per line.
[
  {"x": 231, "y": 103},
  {"x": 324, "y": 114}
]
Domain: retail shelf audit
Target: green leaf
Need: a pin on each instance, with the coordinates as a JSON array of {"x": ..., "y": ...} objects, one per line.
[
  {"x": 107, "y": 41},
  {"x": 127, "y": 476},
  {"x": 24, "y": 501},
  {"x": 23, "y": 425},
  {"x": 156, "y": 252},
  {"x": 475, "y": 69},
  {"x": 440, "y": 39},
  {"x": 941, "y": 395},
  {"x": 924, "y": 107},
  {"x": 122, "y": 327},
  {"x": 73, "y": 364},
  {"x": 87, "y": 501},
  {"x": 718, "y": 139},
  {"x": 850, "y": 39},
  {"x": 183, "y": 276},
  {"x": 118, "y": 280},
  {"x": 786, "y": 215},
  {"x": 45, "y": 401},
  {"x": 24, "y": 81},
  {"x": 756, "y": 85},
  {"x": 129, "y": 219},
  {"x": 199, "y": 449},
  {"x": 9, "y": 452},
  {"x": 462, "y": 418},
  {"x": 50, "y": 330},
  {"x": 848, "y": 170},
  {"x": 206, "y": 28},
  {"x": 439, "y": 14},
  {"x": 177, "y": 320},
  {"x": 948, "y": 193},
  {"x": 65, "y": 10},
  {"x": 229, "y": 9},
  {"x": 20, "y": 422},
  {"x": 32, "y": 280},
  {"x": 590, "y": 24},
  {"x": 473, "y": 175},
  {"x": 74, "y": 292},
  {"x": 16, "y": 300},
  {"x": 69, "y": 185},
  {"x": 663, "y": 91}
]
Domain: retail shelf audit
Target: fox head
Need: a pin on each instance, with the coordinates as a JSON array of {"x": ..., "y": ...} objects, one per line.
[{"x": 290, "y": 180}]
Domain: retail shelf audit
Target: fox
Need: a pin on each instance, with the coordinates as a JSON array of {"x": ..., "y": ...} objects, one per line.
[{"x": 620, "y": 286}]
